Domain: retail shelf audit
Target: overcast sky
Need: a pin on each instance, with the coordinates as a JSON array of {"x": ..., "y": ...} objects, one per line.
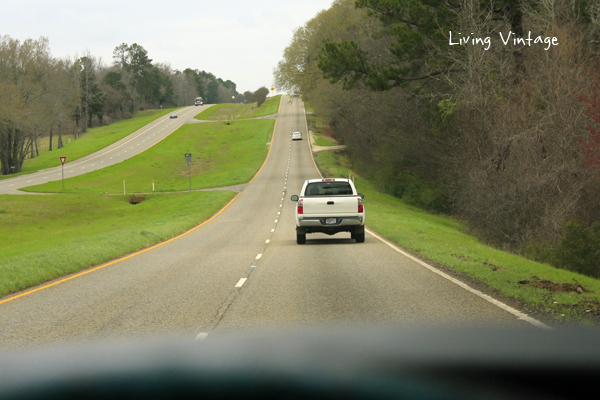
[{"x": 239, "y": 40}]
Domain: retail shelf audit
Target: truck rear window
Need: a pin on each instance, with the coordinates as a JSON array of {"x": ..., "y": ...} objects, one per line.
[{"x": 328, "y": 189}]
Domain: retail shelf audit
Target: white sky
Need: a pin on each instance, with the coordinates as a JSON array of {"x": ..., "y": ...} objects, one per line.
[{"x": 239, "y": 40}]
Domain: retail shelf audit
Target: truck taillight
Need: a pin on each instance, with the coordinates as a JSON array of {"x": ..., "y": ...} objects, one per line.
[
  {"x": 300, "y": 207},
  {"x": 360, "y": 205}
]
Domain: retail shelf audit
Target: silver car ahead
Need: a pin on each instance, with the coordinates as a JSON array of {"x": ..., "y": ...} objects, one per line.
[{"x": 297, "y": 136}]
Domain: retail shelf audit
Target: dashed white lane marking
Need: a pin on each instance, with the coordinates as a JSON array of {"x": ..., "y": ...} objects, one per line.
[
  {"x": 267, "y": 241},
  {"x": 101, "y": 162},
  {"x": 272, "y": 230},
  {"x": 201, "y": 336},
  {"x": 276, "y": 221},
  {"x": 241, "y": 282},
  {"x": 28, "y": 181},
  {"x": 12, "y": 184},
  {"x": 258, "y": 257},
  {"x": 93, "y": 165}
]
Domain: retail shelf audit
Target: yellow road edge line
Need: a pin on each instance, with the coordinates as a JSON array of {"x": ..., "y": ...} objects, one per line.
[
  {"x": 122, "y": 258},
  {"x": 152, "y": 247}
]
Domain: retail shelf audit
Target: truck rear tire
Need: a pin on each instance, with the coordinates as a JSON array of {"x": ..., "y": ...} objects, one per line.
[
  {"x": 358, "y": 233},
  {"x": 300, "y": 239}
]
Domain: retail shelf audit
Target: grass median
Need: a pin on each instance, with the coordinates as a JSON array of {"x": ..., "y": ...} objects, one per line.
[
  {"x": 222, "y": 155},
  {"x": 226, "y": 111},
  {"x": 534, "y": 286},
  {"x": 94, "y": 140},
  {"x": 44, "y": 237}
]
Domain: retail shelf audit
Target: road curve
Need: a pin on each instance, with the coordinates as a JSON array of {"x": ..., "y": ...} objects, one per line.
[
  {"x": 244, "y": 270},
  {"x": 129, "y": 146}
]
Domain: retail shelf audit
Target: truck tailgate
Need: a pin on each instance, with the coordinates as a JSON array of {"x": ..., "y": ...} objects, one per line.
[{"x": 330, "y": 206}]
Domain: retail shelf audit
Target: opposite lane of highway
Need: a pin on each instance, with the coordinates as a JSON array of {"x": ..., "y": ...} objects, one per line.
[{"x": 129, "y": 146}]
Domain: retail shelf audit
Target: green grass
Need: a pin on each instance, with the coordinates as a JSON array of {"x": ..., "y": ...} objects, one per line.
[
  {"x": 94, "y": 140},
  {"x": 222, "y": 155},
  {"x": 323, "y": 141},
  {"x": 44, "y": 237},
  {"x": 240, "y": 111},
  {"x": 443, "y": 240}
]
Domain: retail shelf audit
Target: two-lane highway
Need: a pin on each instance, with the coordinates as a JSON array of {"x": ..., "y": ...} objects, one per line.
[
  {"x": 243, "y": 269},
  {"x": 129, "y": 146}
]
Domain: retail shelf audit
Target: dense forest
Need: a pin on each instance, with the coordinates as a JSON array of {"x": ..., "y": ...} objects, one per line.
[
  {"x": 485, "y": 110},
  {"x": 44, "y": 96}
]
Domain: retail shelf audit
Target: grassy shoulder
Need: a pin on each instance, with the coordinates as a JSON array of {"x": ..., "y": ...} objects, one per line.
[
  {"x": 94, "y": 140},
  {"x": 44, "y": 237},
  {"x": 537, "y": 287},
  {"x": 222, "y": 155},
  {"x": 226, "y": 111},
  {"x": 324, "y": 141}
]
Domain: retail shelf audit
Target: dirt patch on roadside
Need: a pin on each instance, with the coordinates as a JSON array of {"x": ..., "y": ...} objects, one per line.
[{"x": 555, "y": 287}]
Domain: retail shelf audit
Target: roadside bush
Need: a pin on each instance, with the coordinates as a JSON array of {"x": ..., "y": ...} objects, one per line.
[
  {"x": 579, "y": 248},
  {"x": 419, "y": 192}
]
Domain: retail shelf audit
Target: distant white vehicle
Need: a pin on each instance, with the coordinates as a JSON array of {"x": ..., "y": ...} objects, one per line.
[
  {"x": 198, "y": 101},
  {"x": 297, "y": 136},
  {"x": 173, "y": 115}
]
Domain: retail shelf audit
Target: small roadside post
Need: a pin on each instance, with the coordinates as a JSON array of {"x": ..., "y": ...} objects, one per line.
[
  {"x": 62, "y": 161},
  {"x": 188, "y": 158}
]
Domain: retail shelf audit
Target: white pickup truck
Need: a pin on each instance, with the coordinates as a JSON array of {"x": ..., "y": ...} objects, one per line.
[{"x": 329, "y": 206}]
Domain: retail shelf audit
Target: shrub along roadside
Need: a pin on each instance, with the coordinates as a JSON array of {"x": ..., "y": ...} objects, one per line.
[{"x": 565, "y": 295}]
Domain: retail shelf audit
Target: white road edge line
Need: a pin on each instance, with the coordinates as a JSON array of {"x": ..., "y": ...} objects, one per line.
[
  {"x": 241, "y": 282},
  {"x": 495, "y": 302},
  {"x": 463, "y": 285},
  {"x": 201, "y": 336}
]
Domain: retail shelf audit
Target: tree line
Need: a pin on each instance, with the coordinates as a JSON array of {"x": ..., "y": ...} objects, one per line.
[
  {"x": 505, "y": 136},
  {"x": 45, "y": 96}
]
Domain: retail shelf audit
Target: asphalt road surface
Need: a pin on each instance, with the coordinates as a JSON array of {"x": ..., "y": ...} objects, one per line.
[
  {"x": 129, "y": 146},
  {"x": 243, "y": 270}
]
